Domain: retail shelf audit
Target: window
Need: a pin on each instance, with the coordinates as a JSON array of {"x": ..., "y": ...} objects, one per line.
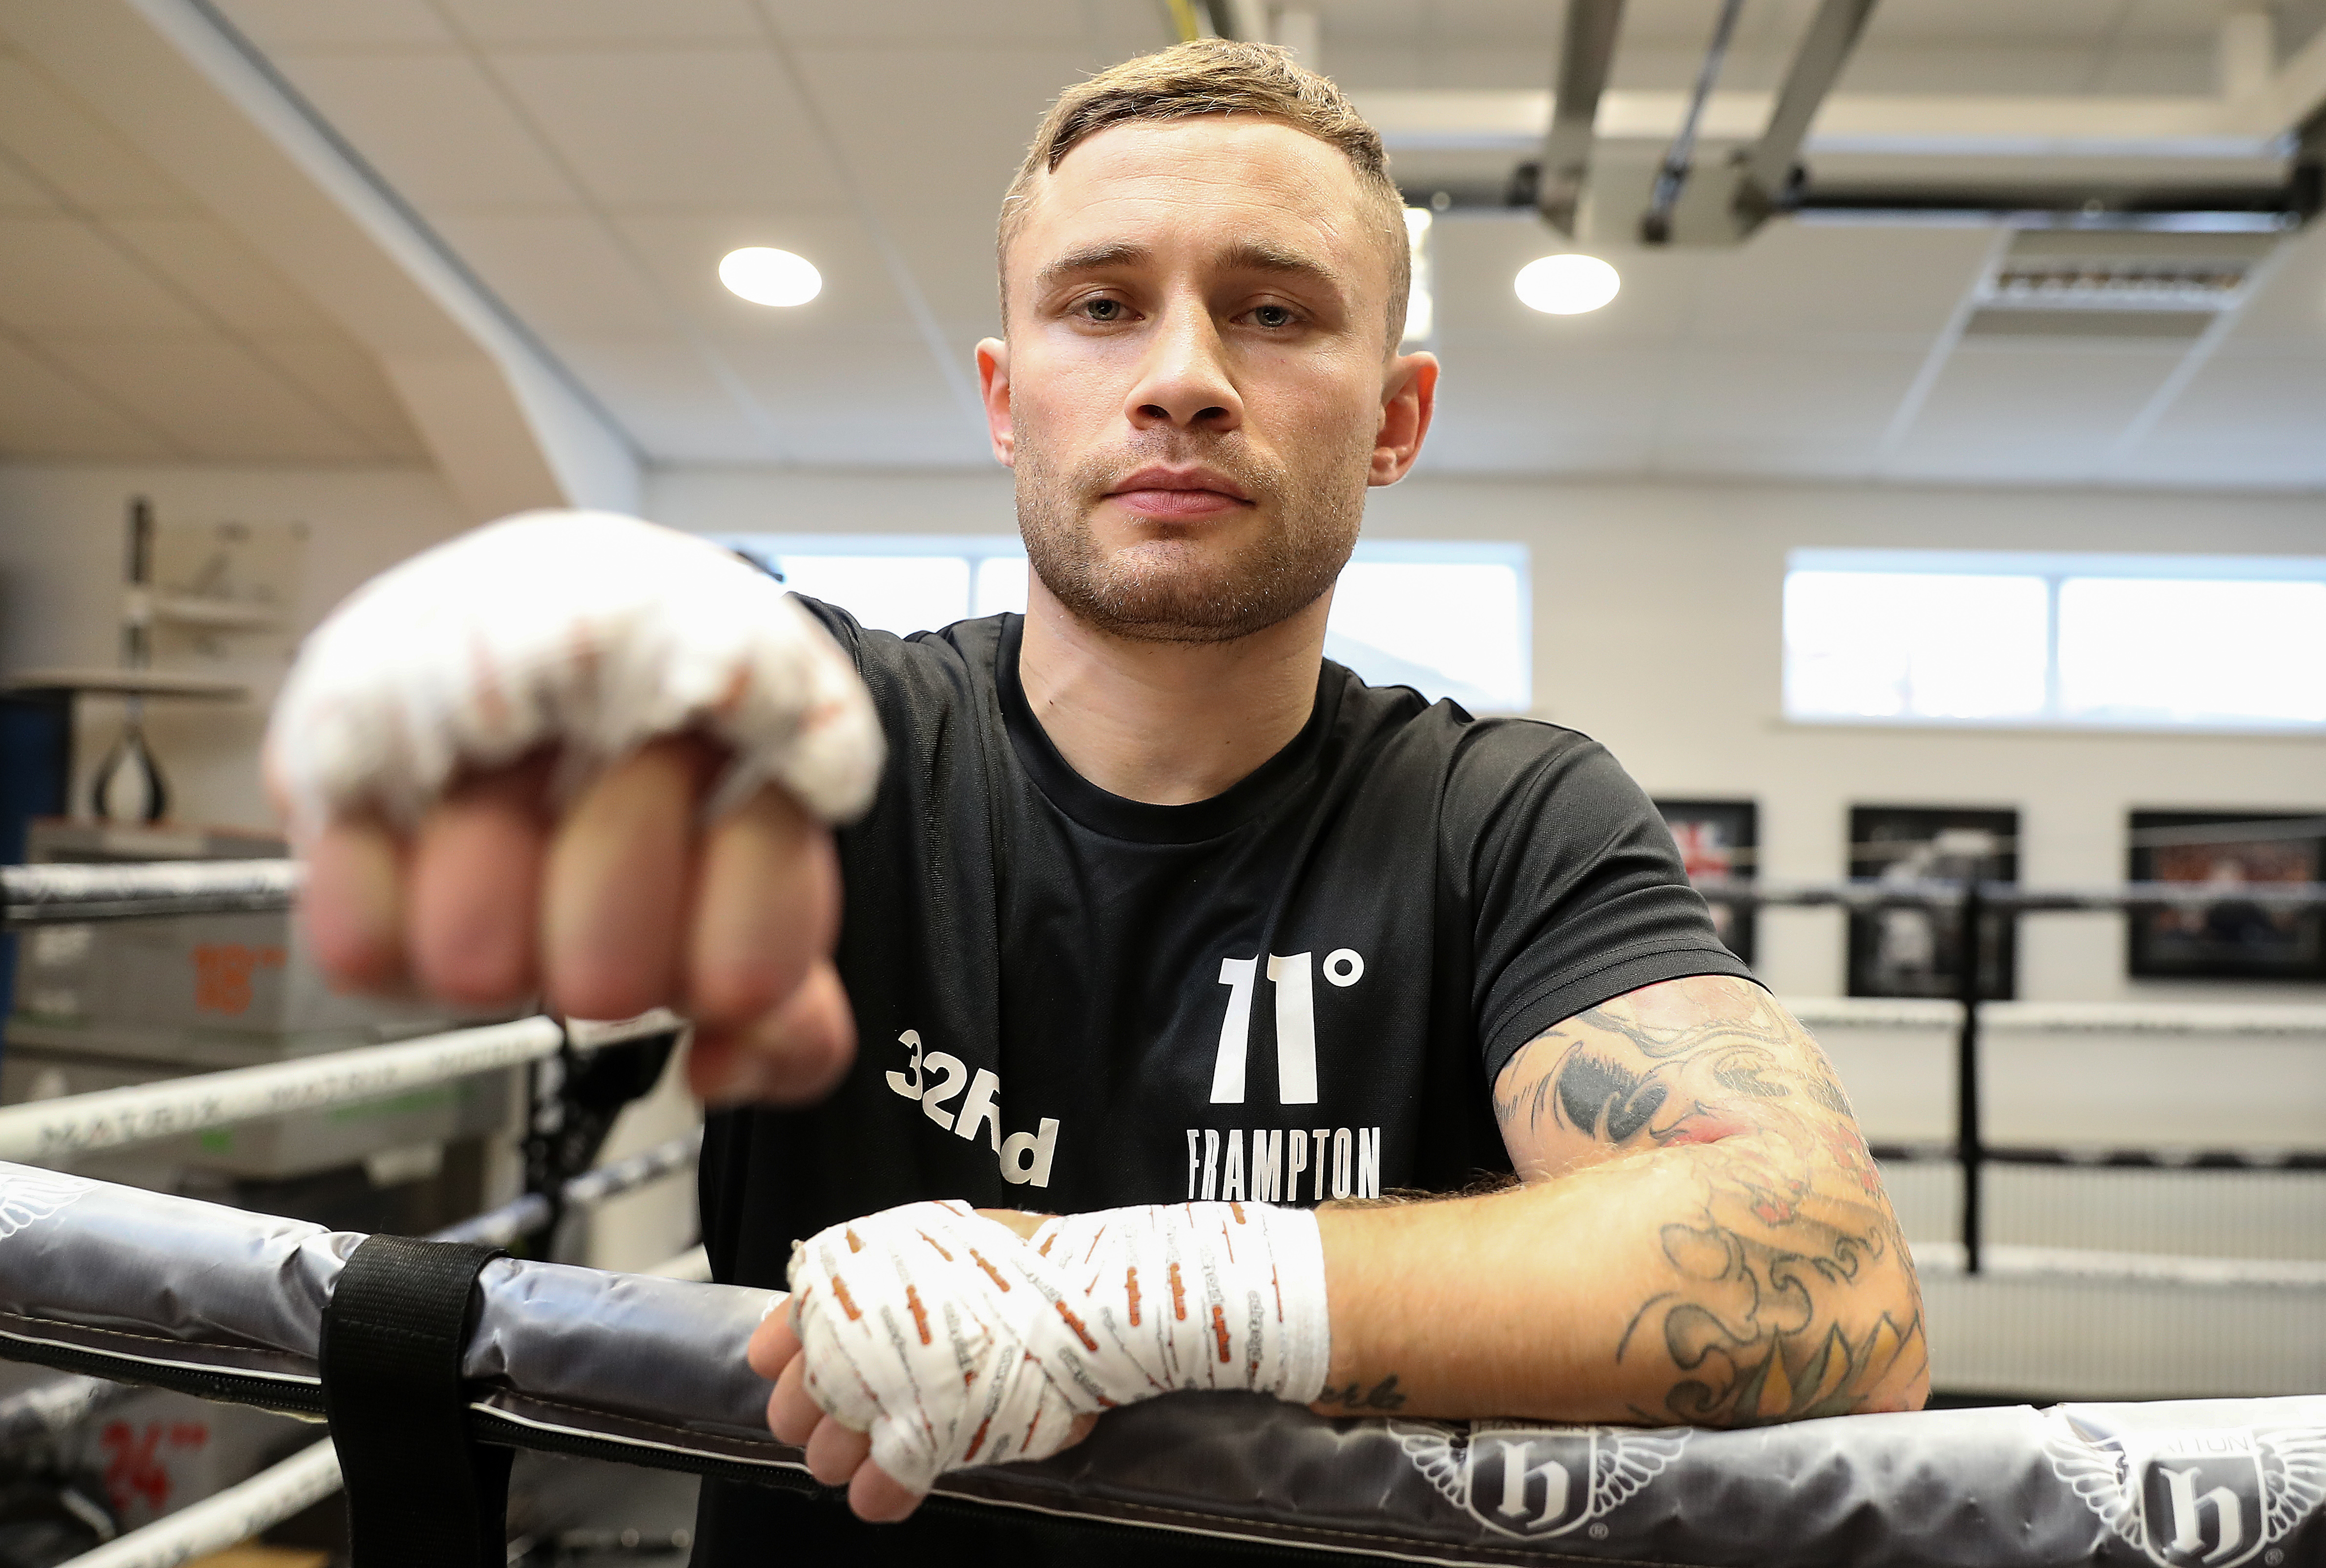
[
  {"x": 1450, "y": 618},
  {"x": 1936, "y": 636}
]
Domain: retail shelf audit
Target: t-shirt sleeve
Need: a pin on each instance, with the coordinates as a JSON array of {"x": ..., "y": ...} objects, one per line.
[{"x": 1574, "y": 890}]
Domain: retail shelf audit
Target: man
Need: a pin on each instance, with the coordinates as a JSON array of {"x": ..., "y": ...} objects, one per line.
[{"x": 1153, "y": 909}]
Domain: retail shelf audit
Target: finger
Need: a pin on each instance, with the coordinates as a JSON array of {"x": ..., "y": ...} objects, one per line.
[
  {"x": 352, "y": 905},
  {"x": 879, "y": 1498},
  {"x": 834, "y": 1452},
  {"x": 794, "y": 1057},
  {"x": 793, "y": 1414},
  {"x": 773, "y": 1342},
  {"x": 475, "y": 890},
  {"x": 763, "y": 911},
  {"x": 615, "y": 889}
]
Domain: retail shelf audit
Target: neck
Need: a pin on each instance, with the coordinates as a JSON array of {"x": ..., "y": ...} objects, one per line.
[{"x": 1167, "y": 723}]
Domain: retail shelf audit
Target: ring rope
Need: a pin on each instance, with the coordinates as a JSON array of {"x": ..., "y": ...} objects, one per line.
[
  {"x": 74, "y": 890},
  {"x": 48, "y": 1130}
]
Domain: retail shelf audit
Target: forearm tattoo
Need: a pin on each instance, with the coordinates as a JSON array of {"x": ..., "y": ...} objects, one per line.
[{"x": 1790, "y": 1289}]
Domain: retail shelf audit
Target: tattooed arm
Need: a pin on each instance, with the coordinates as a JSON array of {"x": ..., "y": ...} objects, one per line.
[{"x": 1699, "y": 1236}]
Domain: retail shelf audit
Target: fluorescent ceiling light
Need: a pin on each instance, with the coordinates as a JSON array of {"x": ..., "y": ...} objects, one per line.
[
  {"x": 770, "y": 277},
  {"x": 1566, "y": 285}
]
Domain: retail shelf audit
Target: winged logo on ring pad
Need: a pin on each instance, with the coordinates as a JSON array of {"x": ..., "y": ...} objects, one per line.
[
  {"x": 1536, "y": 1481},
  {"x": 2194, "y": 1496},
  {"x": 28, "y": 1195}
]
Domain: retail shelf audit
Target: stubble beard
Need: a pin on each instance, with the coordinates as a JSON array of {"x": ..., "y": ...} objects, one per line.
[{"x": 1179, "y": 590}]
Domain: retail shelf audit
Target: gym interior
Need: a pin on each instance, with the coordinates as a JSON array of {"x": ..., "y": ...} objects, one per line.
[{"x": 1895, "y": 428}]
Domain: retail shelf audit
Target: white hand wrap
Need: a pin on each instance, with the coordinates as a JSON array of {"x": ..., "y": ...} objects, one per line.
[
  {"x": 584, "y": 630},
  {"x": 952, "y": 1342}
]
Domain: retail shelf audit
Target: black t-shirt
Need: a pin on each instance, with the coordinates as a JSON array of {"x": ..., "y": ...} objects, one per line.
[{"x": 1299, "y": 989}]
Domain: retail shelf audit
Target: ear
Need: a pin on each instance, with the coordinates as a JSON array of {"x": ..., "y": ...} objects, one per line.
[
  {"x": 993, "y": 391},
  {"x": 1409, "y": 399}
]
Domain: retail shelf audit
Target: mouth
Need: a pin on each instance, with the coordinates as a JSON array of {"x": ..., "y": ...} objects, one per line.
[{"x": 1167, "y": 493}]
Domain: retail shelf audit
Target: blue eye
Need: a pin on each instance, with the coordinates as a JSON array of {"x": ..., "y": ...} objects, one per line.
[
  {"x": 1103, "y": 309},
  {"x": 1272, "y": 316}
]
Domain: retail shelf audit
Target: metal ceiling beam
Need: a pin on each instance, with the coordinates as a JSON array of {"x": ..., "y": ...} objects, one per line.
[
  {"x": 1766, "y": 172},
  {"x": 1586, "y": 52},
  {"x": 1680, "y": 158}
]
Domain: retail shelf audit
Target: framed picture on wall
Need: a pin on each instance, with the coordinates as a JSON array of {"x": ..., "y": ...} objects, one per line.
[
  {"x": 1910, "y": 951},
  {"x": 1719, "y": 840},
  {"x": 2228, "y": 941}
]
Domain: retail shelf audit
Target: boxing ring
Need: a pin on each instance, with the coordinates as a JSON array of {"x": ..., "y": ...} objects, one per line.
[{"x": 110, "y": 1285}]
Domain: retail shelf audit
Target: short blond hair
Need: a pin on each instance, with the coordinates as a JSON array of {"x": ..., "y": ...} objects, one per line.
[{"x": 1217, "y": 76}]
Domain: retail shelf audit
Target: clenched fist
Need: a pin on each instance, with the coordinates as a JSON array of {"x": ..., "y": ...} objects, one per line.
[{"x": 580, "y": 754}]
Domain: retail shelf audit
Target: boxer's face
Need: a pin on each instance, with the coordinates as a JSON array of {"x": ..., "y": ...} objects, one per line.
[{"x": 1196, "y": 387}]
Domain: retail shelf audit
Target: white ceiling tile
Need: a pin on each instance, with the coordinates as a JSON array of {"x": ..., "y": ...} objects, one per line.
[
  {"x": 604, "y": 21},
  {"x": 1723, "y": 394},
  {"x": 18, "y": 192},
  {"x": 433, "y": 126},
  {"x": 666, "y": 126},
  {"x": 2030, "y": 411},
  {"x": 63, "y": 278},
  {"x": 1579, "y": 407},
  {"x": 59, "y": 142},
  {"x": 45, "y": 413},
  {"x": 288, "y": 26},
  {"x": 668, "y": 398},
  {"x": 345, "y": 380},
  {"x": 1805, "y": 284},
  {"x": 2241, "y": 421},
  {"x": 919, "y": 23},
  {"x": 213, "y": 399},
  {"x": 233, "y": 284},
  {"x": 861, "y": 397},
  {"x": 559, "y": 270},
  {"x": 2288, "y": 314},
  {"x": 971, "y": 113}
]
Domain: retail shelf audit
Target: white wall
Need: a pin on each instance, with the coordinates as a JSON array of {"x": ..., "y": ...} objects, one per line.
[
  {"x": 1657, "y": 629},
  {"x": 1656, "y": 610},
  {"x": 63, "y": 530}
]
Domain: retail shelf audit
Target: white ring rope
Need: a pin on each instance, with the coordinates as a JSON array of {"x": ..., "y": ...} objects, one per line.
[
  {"x": 112, "y": 890},
  {"x": 2256, "y": 1020},
  {"x": 2004, "y": 1261},
  {"x": 226, "y": 1518},
  {"x": 47, "y": 1410},
  {"x": 48, "y": 1130}
]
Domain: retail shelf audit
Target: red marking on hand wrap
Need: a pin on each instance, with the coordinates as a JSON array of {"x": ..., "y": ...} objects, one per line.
[
  {"x": 1220, "y": 1331},
  {"x": 1178, "y": 1295},
  {"x": 840, "y": 1289},
  {"x": 933, "y": 1241},
  {"x": 1130, "y": 1289},
  {"x": 855, "y": 1242},
  {"x": 920, "y": 1312},
  {"x": 1277, "y": 1284},
  {"x": 1075, "y": 1323},
  {"x": 1236, "y": 1209},
  {"x": 990, "y": 1271},
  {"x": 977, "y": 1441}
]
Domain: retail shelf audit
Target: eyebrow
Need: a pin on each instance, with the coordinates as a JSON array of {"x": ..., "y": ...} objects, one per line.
[
  {"x": 1246, "y": 255},
  {"x": 1091, "y": 258}
]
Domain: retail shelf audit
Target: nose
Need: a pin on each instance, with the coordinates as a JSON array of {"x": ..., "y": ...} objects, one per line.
[{"x": 1183, "y": 382}]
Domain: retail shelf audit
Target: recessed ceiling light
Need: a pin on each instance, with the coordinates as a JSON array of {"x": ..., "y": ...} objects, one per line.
[
  {"x": 770, "y": 277},
  {"x": 1566, "y": 285}
]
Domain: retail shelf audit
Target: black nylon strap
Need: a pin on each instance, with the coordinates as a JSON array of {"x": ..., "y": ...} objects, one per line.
[{"x": 420, "y": 1493}]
